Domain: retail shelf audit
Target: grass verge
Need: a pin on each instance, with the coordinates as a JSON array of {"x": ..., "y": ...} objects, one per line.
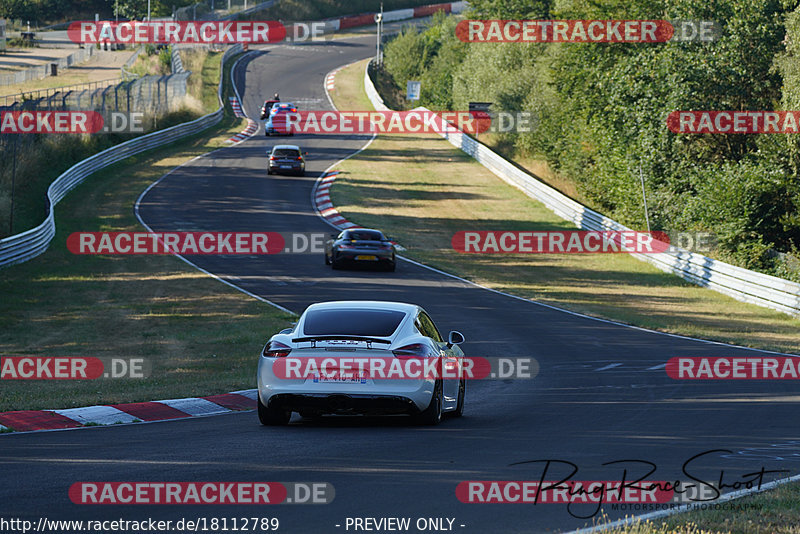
[
  {"x": 421, "y": 190},
  {"x": 771, "y": 512},
  {"x": 200, "y": 336}
]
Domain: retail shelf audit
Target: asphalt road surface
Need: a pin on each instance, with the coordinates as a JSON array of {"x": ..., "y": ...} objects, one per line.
[{"x": 600, "y": 395}]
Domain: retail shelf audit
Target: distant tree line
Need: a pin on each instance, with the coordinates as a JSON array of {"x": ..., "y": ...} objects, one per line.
[{"x": 44, "y": 12}]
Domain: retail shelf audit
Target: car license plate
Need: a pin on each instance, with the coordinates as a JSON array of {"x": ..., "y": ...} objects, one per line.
[
  {"x": 341, "y": 379},
  {"x": 286, "y": 166},
  {"x": 367, "y": 257}
]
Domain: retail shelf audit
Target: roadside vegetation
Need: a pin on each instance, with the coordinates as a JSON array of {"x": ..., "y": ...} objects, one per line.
[
  {"x": 601, "y": 112},
  {"x": 34, "y": 161},
  {"x": 153, "y": 61},
  {"x": 48, "y": 12},
  {"x": 201, "y": 337},
  {"x": 771, "y": 512}
]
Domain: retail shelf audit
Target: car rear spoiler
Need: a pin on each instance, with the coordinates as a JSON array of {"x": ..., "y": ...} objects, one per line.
[{"x": 314, "y": 339}]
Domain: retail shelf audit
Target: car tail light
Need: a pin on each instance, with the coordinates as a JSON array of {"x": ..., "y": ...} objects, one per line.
[
  {"x": 415, "y": 349},
  {"x": 299, "y": 158},
  {"x": 346, "y": 247},
  {"x": 294, "y": 110},
  {"x": 384, "y": 246},
  {"x": 275, "y": 349},
  {"x": 272, "y": 158}
]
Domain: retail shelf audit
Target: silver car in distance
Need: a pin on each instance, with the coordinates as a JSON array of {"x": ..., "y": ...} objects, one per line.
[{"x": 346, "y": 331}]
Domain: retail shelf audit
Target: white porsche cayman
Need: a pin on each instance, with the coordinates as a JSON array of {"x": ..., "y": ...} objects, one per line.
[{"x": 361, "y": 357}]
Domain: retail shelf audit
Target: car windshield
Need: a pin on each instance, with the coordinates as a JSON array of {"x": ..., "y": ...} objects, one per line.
[
  {"x": 286, "y": 153},
  {"x": 365, "y": 235},
  {"x": 352, "y": 322}
]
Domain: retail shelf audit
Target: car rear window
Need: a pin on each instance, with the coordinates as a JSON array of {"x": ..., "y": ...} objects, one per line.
[
  {"x": 365, "y": 236},
  {"x": 286, "y": 153},
  {"x": 352, "y": 322}
]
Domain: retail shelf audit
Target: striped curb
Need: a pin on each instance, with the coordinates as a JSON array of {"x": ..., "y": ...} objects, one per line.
[
  {"x": 114, "y": 414},
  {"x": 323, "y": 204},
  {"x": 252, "y": 126},
  {"x": 330, "y": 80},
  {"x": 236, "y": 106}
]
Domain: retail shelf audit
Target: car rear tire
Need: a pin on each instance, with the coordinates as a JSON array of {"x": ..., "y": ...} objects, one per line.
[
  {"x": 327, "y": 259},
  {"x": 462, "y": 393},
  {"x": 269, "y": 171},
  {"x": 391, "y": 267},
  {"x": 432, "y": 415},
  {"x": 336, "y": 265},
  {"x": 271, "y": 416}
]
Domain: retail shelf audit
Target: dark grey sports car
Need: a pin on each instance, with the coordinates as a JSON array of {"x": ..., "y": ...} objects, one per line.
[{"x": 360, "y": 246}]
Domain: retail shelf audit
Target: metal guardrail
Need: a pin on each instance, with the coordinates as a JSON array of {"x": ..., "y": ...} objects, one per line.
[
  {"x": 36, "y": 94},
  {"x": 742, "y": 284},
  {"x": 220, "y": 9},
  {"x": 177, "y": 62},
  {"x": 22, "y": 247}
]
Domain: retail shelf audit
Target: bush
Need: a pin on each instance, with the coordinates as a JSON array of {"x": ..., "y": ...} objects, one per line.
[{"x": 165, "y": 59}]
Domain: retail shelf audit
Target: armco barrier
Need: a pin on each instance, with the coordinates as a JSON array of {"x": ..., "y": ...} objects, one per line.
[
  {"x": 741, "y": 284},
  {"x": 365, "y": 19},
  {"x": 22, "y": 247}
]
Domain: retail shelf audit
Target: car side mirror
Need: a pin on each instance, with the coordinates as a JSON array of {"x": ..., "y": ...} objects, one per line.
[{"x": 455, "y": 338}]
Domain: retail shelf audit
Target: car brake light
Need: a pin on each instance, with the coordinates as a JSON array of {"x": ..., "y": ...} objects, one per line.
[
  {"x": 415, "y": 349},
  {"x": 294, "y": 110},
  {"x": 272, "y": 158},
  {"x": 299, "y": 158},
  {"x": 276, "y": 350}
]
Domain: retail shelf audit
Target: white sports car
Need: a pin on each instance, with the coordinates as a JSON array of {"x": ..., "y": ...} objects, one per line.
[{"x": 326, "y": 341}]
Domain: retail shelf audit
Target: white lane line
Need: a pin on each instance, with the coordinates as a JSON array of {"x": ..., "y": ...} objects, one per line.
[{"x": 607, "y": 367}]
